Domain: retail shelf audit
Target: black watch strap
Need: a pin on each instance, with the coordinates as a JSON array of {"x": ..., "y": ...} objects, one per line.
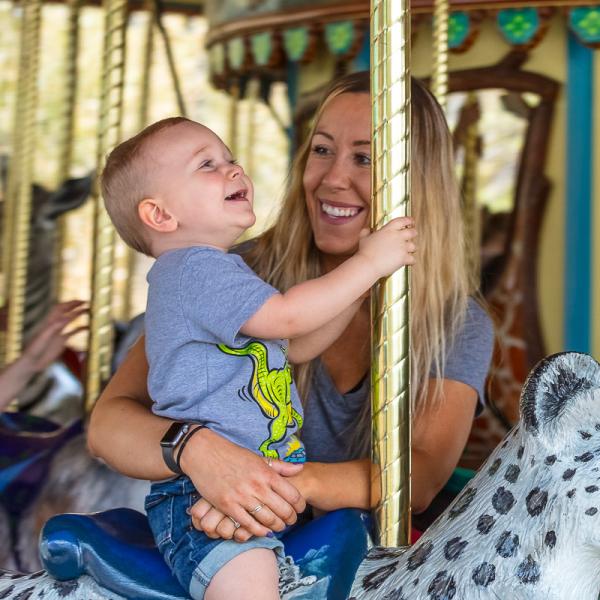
[{"x": 170, "y": 441}]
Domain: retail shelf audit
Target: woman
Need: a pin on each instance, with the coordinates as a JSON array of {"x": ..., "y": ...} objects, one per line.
[{"x": 325, "y": 209}]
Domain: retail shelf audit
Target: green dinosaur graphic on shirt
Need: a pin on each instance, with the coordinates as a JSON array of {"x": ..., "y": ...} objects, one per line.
[{"x": 271, "y": 390}]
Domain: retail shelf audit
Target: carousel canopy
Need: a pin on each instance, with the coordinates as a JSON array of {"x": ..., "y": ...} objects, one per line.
[{"x": 254, "y": 37}]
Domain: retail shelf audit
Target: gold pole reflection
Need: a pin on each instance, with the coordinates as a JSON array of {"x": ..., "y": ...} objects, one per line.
[
  {"x": 390, "y": 369},
  {"x": 21, "y": 178},
  {"x": 111, "y": 108},
  {"x": 439, "y": 80}
]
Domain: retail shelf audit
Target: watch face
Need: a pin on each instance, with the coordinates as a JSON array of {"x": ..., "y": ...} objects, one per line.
[{"x": 174, "y": 434}]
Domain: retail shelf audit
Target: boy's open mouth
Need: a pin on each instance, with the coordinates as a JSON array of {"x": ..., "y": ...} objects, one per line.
[{"x": 239, "y": 195}]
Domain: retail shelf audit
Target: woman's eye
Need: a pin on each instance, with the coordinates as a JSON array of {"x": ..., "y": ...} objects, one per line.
[
  {"x": 320, "y": 150},
  {"x": 364, "y": 160}
]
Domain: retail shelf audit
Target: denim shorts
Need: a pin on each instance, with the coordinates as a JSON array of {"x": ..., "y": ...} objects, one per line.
[{"x": 192, "y": 556}]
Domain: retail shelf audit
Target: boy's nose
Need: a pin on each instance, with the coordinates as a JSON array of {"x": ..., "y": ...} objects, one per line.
[{"x": 235, "y": 171}]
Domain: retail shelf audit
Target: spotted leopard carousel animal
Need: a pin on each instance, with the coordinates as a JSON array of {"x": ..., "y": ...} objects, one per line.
[{"x": 527, "y": 527}]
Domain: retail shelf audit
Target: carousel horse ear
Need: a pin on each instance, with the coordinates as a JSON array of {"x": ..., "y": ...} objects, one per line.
[{"x": 558, "y": 395}]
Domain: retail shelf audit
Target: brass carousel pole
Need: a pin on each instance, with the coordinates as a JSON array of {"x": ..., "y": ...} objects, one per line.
[
  {"x": 144, "y": 100},
  {"x": 233, "y": 118},
  {"x": 67, "y": 129},
  {"x": 111, "y": 108},
  {"x": 470, "y": 209},
  {"x": 439, "y": 79},
  {"x": 390, "y": 369},
  {"x": 21, "y": 178},
  {"x": 253, "y": 90}
]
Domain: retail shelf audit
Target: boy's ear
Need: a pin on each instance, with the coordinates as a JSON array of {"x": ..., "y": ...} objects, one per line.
[{"x": 156, "y": 217}]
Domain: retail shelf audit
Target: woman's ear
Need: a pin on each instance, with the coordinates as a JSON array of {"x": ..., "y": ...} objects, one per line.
[{"x": 156, "y": 217}]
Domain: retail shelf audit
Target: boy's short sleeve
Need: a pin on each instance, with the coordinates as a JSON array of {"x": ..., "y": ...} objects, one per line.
[{"x": 219, "y": 293}]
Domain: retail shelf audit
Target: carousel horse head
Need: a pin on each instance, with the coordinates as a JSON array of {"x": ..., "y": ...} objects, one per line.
[
  {"x": 46, "y": 207},
  {"x": 528, "y": 525}
]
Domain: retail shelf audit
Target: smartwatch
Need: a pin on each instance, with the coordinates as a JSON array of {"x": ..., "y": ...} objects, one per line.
[{"x": 169, "y": 442}]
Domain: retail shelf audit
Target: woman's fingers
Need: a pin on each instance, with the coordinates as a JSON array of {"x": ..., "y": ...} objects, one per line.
[
  {"x": 243, "y": 481},
  {"x": 210, "y": 521},
  {"x": 294, "y": 502}
]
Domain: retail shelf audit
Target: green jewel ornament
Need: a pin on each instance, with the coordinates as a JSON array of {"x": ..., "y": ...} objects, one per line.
[
  {"x": 262, "y": 47},
  {"x": 339, "y": 36},
  {"x": 519, "y": 25},
  {"x": 295, "y": 42},
  {"x": 236, "y": 52},
  {"x": 585, "y": 22},
  {"x": 458, "y": 29}
]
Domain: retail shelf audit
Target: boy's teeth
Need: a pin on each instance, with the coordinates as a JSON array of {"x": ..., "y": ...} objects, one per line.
[{"x": 335, "y": 211}]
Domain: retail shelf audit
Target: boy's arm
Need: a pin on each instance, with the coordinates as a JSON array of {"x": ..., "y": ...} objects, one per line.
[
  {"x": 312, "y": 304},
  {"x": 306, "y": 347}
]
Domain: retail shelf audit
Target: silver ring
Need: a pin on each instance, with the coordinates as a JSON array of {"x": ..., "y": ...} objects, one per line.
[
  {"x": 235, "y": 523},
  {"x": 256, "y": 509}
]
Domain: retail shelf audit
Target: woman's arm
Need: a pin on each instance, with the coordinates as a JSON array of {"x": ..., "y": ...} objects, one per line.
[
  {"x": 126, "y": 434},
  {"x": 122, "y": 429},
  {"x": 438, "y": 439}
]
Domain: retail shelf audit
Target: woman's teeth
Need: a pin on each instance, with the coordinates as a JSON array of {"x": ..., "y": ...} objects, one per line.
[{"x": 336, "y": 211}]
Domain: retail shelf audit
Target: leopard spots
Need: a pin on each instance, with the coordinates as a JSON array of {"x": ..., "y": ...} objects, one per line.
[
  {"x": 536, "y": 501},
  {"x": 512, "y": 473},
  {"x": 507, "y": 545},
  {"x": 463, "y": 502},
  {"x": 503, "y": 500},
  {"x": 443, "y": 587},
  {"x": 550, "y": 539},
  {"x": 484, "y": 574},
  {"x": 485, "y": 524},
  {"x": 419, "y": 556},
  {"x": 528, "y": 571},
  {"x": 374, "y": 580},
  {"x": 454, "y": 547}
]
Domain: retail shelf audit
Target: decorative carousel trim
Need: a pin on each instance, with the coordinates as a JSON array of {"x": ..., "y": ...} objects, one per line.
[
  {"x": 584, "y": 22},
  {"x": 270, "y": 41}
]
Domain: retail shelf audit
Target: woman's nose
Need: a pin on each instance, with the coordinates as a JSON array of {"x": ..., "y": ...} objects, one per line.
[{"x": 336, "y": 176}]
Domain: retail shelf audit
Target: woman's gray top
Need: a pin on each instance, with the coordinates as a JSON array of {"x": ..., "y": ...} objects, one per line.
[{"x": 331, "y": 419}]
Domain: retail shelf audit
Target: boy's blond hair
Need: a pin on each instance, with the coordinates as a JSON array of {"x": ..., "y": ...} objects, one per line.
[{"x": 124, "y": 184}]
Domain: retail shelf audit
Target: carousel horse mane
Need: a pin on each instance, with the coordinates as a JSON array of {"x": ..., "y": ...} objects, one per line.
[{"x": 527, "y": 526}]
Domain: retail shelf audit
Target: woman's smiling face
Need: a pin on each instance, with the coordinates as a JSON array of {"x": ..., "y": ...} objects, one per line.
[{"x": 337, "y": 176}]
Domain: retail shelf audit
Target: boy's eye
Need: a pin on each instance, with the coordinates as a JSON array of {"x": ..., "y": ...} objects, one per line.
[
  {"x": 233, "y": 161},
  {"x": 206, "y": 163}
]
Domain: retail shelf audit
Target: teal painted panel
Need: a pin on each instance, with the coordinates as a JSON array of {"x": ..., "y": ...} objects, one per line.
[{"x": 518, "y": 25}]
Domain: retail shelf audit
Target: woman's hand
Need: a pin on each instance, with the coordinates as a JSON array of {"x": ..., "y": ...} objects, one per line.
[
  {"x": 235, "y": 481},
  {"x": 216, "y": 524}
]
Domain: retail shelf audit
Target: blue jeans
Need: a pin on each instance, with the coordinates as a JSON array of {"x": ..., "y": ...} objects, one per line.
[{"x": 192, "y": 556}]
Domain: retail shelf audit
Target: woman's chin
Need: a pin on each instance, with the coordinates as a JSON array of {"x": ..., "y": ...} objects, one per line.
[{"x": 335, "y": 247}]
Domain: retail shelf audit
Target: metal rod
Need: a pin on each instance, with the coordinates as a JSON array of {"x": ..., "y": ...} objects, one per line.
[
  {"x": 440, "y": 51},
  {"x": 65, "y": 154},
  {"x": 21, "y": 179},
  {"x": 109, "y": 133},
  {"x": 390, "y": 368}
]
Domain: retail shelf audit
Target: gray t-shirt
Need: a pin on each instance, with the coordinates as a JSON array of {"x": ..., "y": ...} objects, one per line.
[
  {"x": 203, "y": 369},
  {"x": 335, "y": 427}
]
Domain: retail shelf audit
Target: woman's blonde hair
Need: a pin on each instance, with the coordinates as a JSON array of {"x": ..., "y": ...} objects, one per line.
[{"x": 286, "y": 253}]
